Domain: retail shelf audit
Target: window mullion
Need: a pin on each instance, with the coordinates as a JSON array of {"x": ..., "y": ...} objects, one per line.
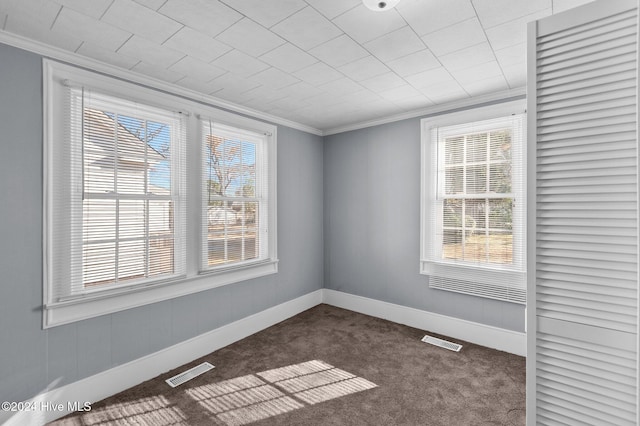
[
  {"x": 486, "y": 200},
  {"x": 117, "y": 198}
]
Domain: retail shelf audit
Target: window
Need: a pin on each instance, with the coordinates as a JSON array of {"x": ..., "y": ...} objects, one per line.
[
  {"x": 123, "y": 212},
  {"x": 129, "y": 181},
  {"x": 473, "y": 203},
  {"x": 235, "y": 189}
]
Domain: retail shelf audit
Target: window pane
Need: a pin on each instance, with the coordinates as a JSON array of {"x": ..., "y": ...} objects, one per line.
[
  {"x": 132, "y": 151},
  {"x": 453, "y": 180},
  {"x": 500, "y": 145},
  {"x": 158, "y": 158},
  {"x": 500, "y": 181},
  {"x": 98, "y": 152},
  {"x": 452, "y": 213},
  {"x": 475, "y": 245},
  {"x": 476, "y": 179},
  {"x": 452, "y": 244},
  {"x": 98, "y": 220},
  {"x": 500, "y": 246},
  {"x": 131, "y": 260},
  {"x": 501, "y": 214},
  {"x": 160, "y": 218},
  {"x": 161, "y": 256},
  {"x": 454, "y": 150},
  {"x": 476, "y": 147},
  {"x": 98, "y": 265},
  {"x": 131, "y": 219}
]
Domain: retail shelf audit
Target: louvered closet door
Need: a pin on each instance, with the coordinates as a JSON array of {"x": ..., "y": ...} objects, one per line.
[{"x": 583, "y": 217}]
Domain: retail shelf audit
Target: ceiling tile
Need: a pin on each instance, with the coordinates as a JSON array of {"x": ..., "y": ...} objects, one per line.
[
  {"x": 364, "y": 25},
  {"x": 363, "y": 68},
  {"x": 264, "y": 94},
  {"x": 288, "y": 57},
  {"x": 107, "y": 56},
  {"x": 341, "y": 87},
  {"x": 479, "y": 72},
  {"x": 318, "y": 74},
  {"x": 513, "y": 32},
  {"x": 428, "y": 16},
  {"x": 196, "y": 69},
  {"x": 414, "y": 63},
  {"x": 469, "y": 57},
  {"x": 445, "y": 92},
  {"x": 455, "y": 37},
  {"x": 250, "y": 38},
  {"x": 266, "y": 13},
  {"x": 496, "y": 12},
  {"x": 302, "y": 90},
  {"x": 151, "y": 4},
  {"x": 208, "y": 16},
  {"x": 307, "y": 29},
  {"x": 333, "y": 8},
  {"x": 72, "y": 23},
  {"x": 339, "y": 51},
  {"x": 383, "y": 82},
  {"x": 413, "y": 103},
  {"x": 562, "y": 5},
  {"x": 274, "y": 78},
  {"x": 516, "y": 75},
  {"x": 157, "y": 72},
  {"x": 197, "y": 85},
  {"x": 196, "y": 44},
  {"x": 240, "y": 63},
  {"x": 33, "y": 20},
  {"x": 513, "y": 55},
  {"x": 94, "y": 8},
  {"x": 229, "y": 86},
  {"x": 137, "y": 19},
  {"x": 395, "y": 45},
  {"x": 489, "y": 85},
  {"x": 429, "y": 78},
  {"x": 150, "y": 53},
  {"x": 397, "y": 94}
]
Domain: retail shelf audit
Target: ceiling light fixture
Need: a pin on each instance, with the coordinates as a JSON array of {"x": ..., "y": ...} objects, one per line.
[{"x": 380, "y": 6}]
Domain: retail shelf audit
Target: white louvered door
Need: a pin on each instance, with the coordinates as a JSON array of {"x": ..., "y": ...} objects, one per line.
[{"x": 582, "y": 363}]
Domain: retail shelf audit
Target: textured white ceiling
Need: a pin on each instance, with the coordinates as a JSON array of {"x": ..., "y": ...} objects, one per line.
[{"x": 321, "y": 63}]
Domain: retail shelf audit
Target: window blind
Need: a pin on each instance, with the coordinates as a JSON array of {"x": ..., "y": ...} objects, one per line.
[
  {"x": 477, "y": 214},
  {"x": 585, "y": 356},
  {"x": 235, "y": 196},
  {"x": 118, "y": 185}
]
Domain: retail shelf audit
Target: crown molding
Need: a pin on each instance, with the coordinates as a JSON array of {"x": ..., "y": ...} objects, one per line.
[
  {"x": 497, "y": 97},
  {"x": 144, "y": 80}
]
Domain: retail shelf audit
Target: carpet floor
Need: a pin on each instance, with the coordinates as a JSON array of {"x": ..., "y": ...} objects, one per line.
[{"x": 329, "y": 366}]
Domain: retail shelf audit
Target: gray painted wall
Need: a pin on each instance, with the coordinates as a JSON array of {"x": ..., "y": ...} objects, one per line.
[
  {"x": 32, "y": 359},
  {"x": 372, "y": 226}
]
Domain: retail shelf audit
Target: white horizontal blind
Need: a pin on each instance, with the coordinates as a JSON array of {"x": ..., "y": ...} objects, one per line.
[
  {"x": 586, "y": 285},
  {"x": 477, "y": 216},
  {"x": 235, "y": 196},
  {"x": 117, "y": 196}
]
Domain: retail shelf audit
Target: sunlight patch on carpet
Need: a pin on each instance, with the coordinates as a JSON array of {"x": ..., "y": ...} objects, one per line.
[
  {"x": 250, "y": 398},
  {"x": 156, "y": 410}
]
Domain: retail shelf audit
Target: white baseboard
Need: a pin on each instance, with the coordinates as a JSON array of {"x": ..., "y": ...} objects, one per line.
[
  {"x": 492, "y": 337},
  {"x": 46, "y": 407},
  {"x": 53, "y": 404}
]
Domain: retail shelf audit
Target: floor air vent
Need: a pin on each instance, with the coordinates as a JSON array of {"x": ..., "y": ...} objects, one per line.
[
  {"x": 189, "y": 374},
  {"x": 442, "y": 343}
]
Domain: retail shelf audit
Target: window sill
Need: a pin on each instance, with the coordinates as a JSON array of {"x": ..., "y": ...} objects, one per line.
[{"x": 101, "y": 304}]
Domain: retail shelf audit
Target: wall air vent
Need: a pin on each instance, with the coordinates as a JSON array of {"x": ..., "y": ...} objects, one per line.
[
  {"x": 189, "y": 374},
  {"x": 442, "y": 343}
]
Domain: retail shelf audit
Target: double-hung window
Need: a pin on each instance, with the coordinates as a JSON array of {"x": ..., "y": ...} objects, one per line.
[
  {"x": 473, "y": 203},
  {"x": 123, "y": 212},
  {"x": 235, "y": 195}
]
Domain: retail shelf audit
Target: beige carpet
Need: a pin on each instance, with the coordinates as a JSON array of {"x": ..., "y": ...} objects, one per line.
[{"x": 329, "y": 366}]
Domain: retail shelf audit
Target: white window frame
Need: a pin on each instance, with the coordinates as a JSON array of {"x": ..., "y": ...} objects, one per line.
[
  {"x": 56, "y": 311},
  {"x": 486, "y": 277}
]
